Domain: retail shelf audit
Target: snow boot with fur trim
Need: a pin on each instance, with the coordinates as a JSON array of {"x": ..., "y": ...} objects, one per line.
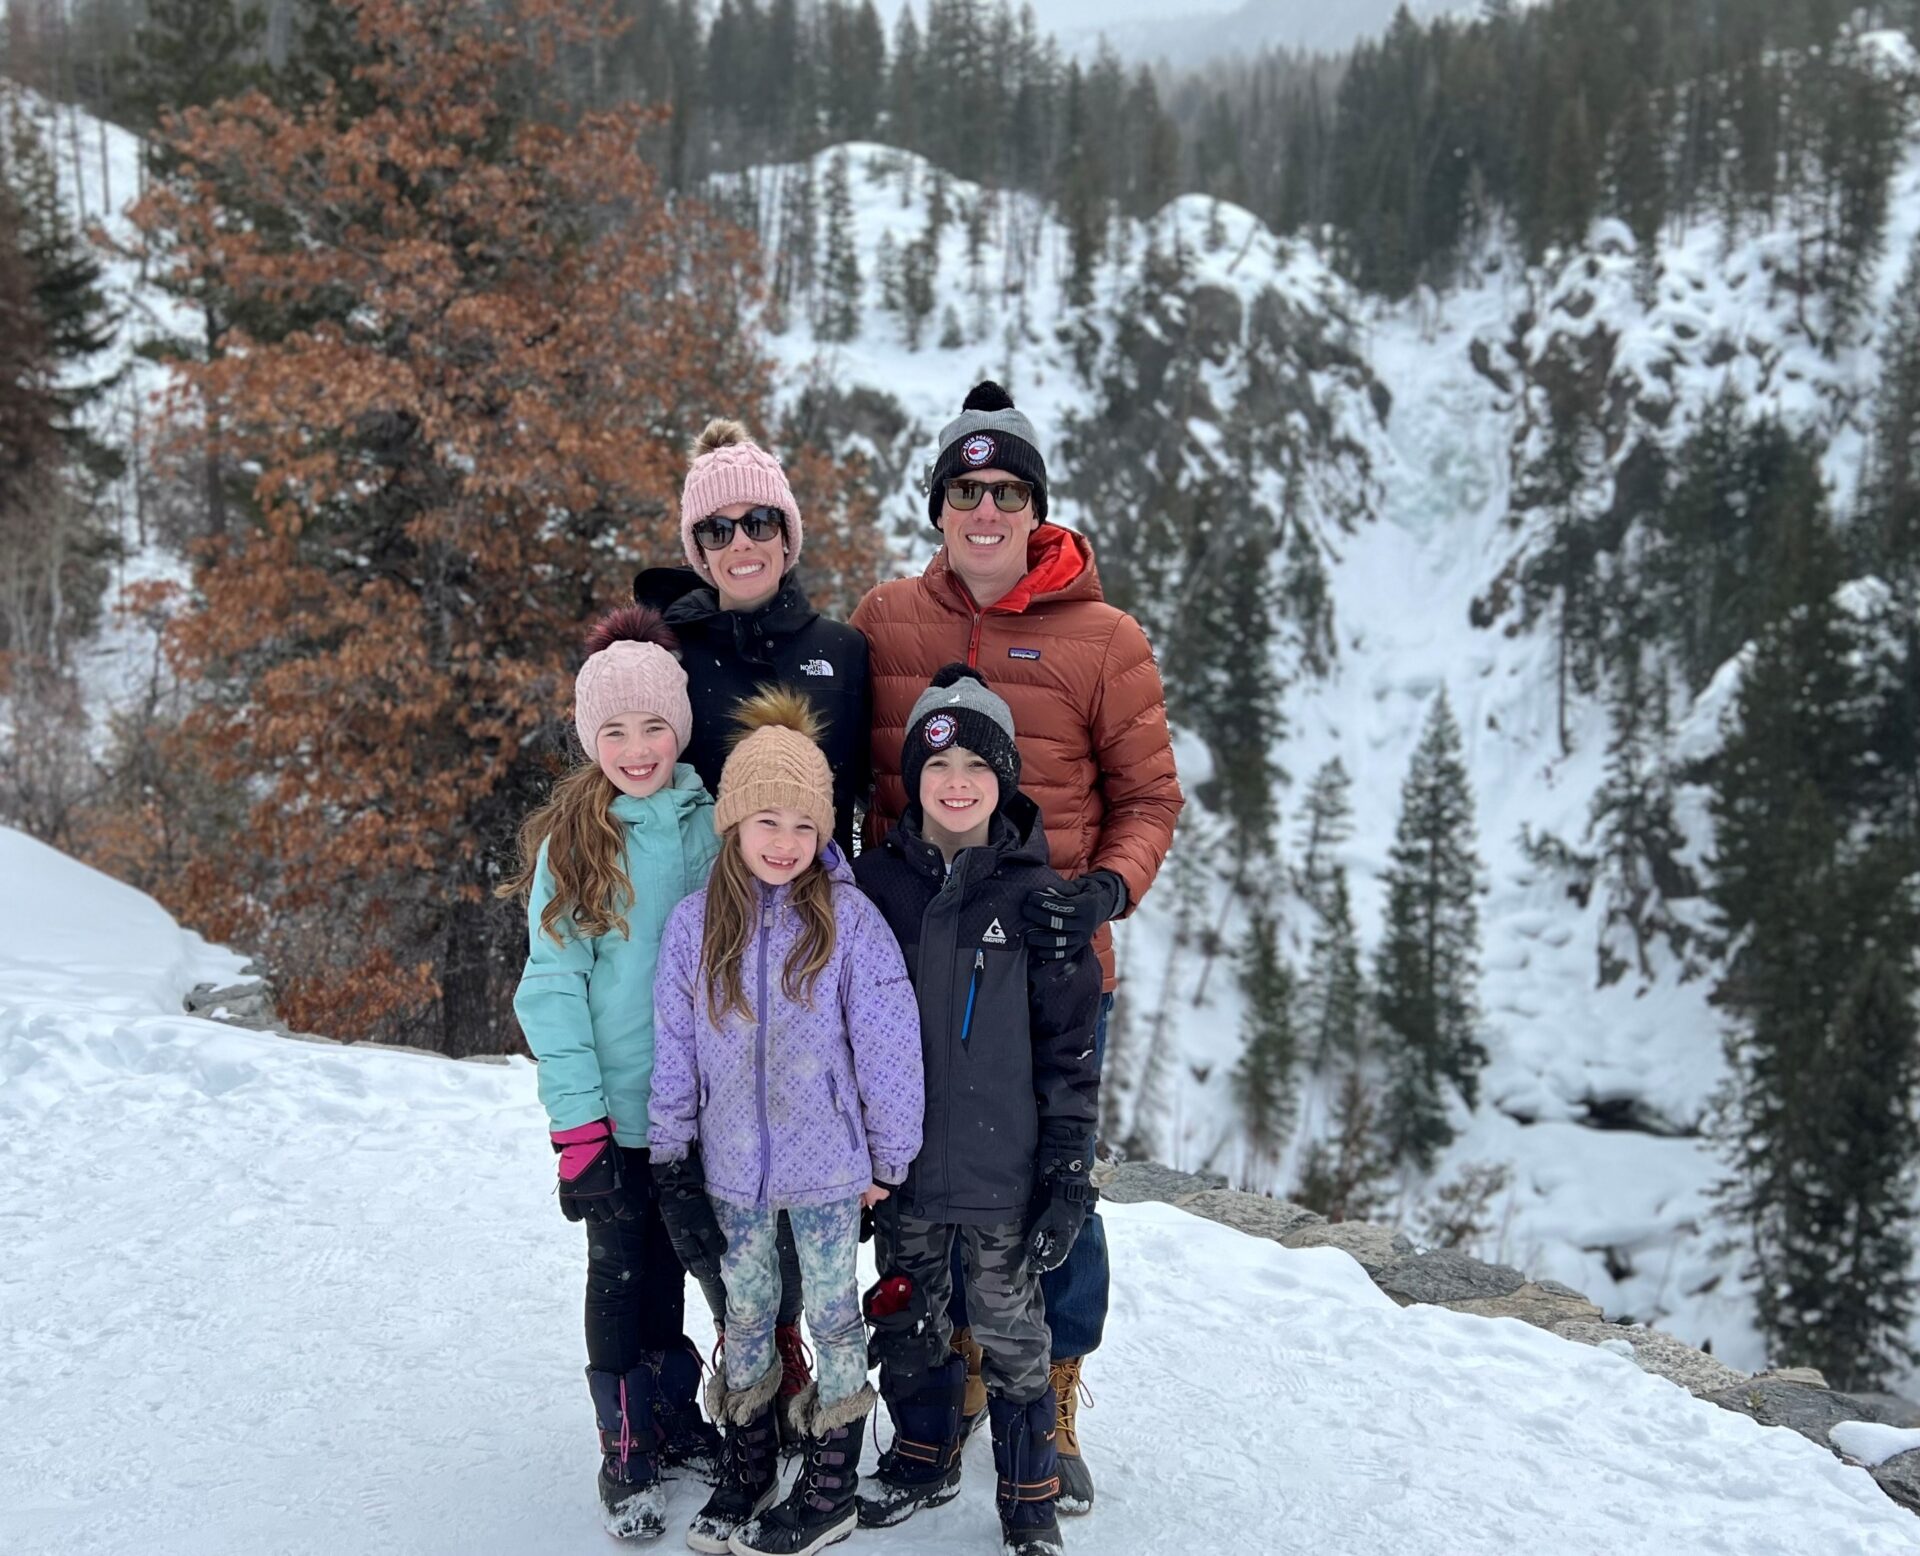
[
  {"x": 1023, "y": 1453},
  {"x": 1076, "y": 1480},
  {"x": 819, "y": 1510},
  {"x": 922, "y": 1468},
  {"x": 747, "y": 1476},
  {"x": 632, "y": 1504}
]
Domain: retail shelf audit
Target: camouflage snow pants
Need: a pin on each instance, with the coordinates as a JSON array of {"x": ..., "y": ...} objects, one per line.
[
  {"x": 827, "y": 1238},
  {"x": 1003, "y": 1296}
]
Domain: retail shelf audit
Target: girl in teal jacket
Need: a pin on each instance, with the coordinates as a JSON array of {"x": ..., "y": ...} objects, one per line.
[{"x": 625, "y": 836}]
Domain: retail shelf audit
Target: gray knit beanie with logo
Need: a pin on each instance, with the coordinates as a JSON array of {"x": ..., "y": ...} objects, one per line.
[
  {"x": 988, "y": 434},
  {"x": 959, "y": 709}
]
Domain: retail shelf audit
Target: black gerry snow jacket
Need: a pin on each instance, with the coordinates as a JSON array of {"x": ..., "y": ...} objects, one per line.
[
  {"x": 730, "y": 655},
  {"x": 1008, "y": 1043}
]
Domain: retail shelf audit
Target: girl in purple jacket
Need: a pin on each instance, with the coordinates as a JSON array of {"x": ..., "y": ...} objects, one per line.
[{"x": 786, "y": 1076}]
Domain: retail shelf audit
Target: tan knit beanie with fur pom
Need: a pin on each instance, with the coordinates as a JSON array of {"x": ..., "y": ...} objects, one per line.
[{"x": 776, "y": 763}]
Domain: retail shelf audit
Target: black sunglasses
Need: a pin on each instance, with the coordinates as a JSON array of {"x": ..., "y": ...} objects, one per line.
[
  {"x": 715, "y": 533},
  {"x": 1008, "y": 496}
]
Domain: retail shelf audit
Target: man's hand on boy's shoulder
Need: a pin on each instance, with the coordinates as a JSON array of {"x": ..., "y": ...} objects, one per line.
[{"x": 1064, "y": 916}]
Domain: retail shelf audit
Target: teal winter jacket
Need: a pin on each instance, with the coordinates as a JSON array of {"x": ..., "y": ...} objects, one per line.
[{"x": 586, "y": 1004}]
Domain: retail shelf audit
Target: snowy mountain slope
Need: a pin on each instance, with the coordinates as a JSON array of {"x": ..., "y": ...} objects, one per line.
[
  {"x": 272, "y": 1296},
  {"x": 1619, "y": 1213}
]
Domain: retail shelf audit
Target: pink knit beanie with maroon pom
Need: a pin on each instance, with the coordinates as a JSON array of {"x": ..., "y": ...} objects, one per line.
[
  {"x": 729, "y": 467},
  {"x": 632, "y": 667}
]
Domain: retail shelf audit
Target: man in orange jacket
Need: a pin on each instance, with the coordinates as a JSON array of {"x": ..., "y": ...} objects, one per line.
[{"x": 1019, "y": 598}]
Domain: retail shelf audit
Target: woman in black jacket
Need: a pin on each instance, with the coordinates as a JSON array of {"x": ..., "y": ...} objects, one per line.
[{"x": 744, "y": 623}]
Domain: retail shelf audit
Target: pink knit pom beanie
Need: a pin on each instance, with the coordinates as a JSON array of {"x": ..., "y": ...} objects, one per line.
[
  {"x": 632, "y": 667},
  {"x": 729, "y": 467}
]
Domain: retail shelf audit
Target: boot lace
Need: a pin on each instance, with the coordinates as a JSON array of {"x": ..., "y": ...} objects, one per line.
[
  {"x": 796, "y": 1361},
  {"x": 1063, "y": 1397}
]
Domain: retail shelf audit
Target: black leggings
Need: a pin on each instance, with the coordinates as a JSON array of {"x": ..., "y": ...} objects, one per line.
[{"x": 637, "y": 1288}]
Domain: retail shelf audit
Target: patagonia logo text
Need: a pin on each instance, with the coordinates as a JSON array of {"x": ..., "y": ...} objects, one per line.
[{"x": 1023, "y": 653}]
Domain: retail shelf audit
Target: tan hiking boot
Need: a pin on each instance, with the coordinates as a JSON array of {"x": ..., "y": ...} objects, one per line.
[
  {"x": 973, "y": 1404},
  {"x": 1076, "y": 1481}
]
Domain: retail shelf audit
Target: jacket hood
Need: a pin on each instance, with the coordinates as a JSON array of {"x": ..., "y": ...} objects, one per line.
[
  {"x": 1060, "y": 566},
  {"x": 684, "y": 794},
  {"x": 1015, "y": 834}
]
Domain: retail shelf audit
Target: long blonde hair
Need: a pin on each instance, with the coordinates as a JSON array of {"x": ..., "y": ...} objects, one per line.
[{"x": 586, "y": 856}]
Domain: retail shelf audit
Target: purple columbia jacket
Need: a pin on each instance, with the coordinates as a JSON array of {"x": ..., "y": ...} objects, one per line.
[{"x": 791, "y": 1105}]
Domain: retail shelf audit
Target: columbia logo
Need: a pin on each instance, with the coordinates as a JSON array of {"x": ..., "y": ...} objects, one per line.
[
  {"x": 995, "y": 935},
  {"x": 816, "y": 667}
]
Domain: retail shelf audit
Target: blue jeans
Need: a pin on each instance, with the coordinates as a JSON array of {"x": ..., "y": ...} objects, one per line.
[{"x": 1076, "y": 1293}]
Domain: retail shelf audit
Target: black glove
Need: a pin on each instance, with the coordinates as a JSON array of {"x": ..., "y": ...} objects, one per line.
[
  {"x": 1062, "y": 920},
  {"x": 691, "y": 1225},
  {"x": 1062, "y": 1196},
  {"x": 883, "y": 1219},
  {"x": 590, "y": 1185}
]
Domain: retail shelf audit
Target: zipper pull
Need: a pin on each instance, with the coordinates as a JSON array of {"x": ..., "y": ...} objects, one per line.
[{"x": 979, "y": 961}]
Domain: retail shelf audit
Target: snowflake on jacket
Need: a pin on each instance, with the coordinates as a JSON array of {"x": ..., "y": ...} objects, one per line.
[
  {"x": 797, "y": 1104},
  {"x": 1008, "y": 1042}
]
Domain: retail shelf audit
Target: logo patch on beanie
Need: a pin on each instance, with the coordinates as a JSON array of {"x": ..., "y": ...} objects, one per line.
[
  {"x": 978, "y": 450},
  {"x": 940, "y": 731}
]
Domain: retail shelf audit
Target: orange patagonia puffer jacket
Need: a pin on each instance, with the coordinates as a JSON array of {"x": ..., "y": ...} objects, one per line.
[{"x": 1089, "y": 713}]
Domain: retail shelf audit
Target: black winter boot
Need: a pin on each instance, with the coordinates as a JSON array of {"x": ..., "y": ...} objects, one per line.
[
  {"x": 1023, "y": 1453},
  {"x": 819, "y": 1510},
  {"x": 922, "y": 1468},
  {"x": 747, "y": 1478},
  {"x": 687, "y": 1441},
  {"x": 632, "y": 1504}
]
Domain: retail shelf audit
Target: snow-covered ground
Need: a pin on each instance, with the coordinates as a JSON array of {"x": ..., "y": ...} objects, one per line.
[{"x": 270, "y": 1296}]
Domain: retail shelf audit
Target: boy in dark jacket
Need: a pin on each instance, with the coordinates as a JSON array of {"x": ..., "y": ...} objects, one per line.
[{"x": 1011, "y": 1100}]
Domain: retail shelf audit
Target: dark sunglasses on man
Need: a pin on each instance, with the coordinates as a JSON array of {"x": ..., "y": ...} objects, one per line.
[
  {"x": 1008, "y": 496},
  {"x": 714, "y": 533}
]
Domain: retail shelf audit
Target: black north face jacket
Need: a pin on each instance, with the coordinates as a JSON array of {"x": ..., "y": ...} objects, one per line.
[
  {"x": 730, "y": 655},
  {"x": 1008, "y": 1043}
]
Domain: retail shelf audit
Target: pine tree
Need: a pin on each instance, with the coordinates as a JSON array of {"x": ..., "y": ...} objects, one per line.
[
  {"x": 1887, "y": 536},
  {"x": 1264, "y": 1084},
  {"x": 1343, "y": 1179},
  {"x": 1333, "y": 1002},
  {"x": 1428, "y": 960},
  {"x": 1326, "y": 821},
  {"x": 1812, "y": 888},
  {"x": 839, "y": 312},
  {"x": 190, "y": 53},
  {"x": 1632, "y": 822}
]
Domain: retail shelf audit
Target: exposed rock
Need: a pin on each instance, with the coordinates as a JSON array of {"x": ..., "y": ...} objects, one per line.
[
  {"x": 1445, "y": 1276},
  {"x": 1812, "y": 1412},
  {"x": 1890, "y": 1410},
  {"x": 1658, "y": 1353},
  {"x": 1254, "y": 1213},
  {"x": 1134, "y": 1182},
  {"x": 1372, "y": 1245},
  {"x": 239, "y": 1004},
  {"x": 1899, "y": 1477},
  {"x": 1810, "y": 1377},
  {"x": 1542, "y": 1303}
]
